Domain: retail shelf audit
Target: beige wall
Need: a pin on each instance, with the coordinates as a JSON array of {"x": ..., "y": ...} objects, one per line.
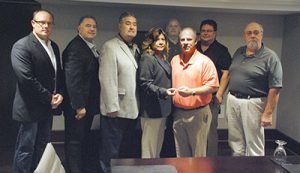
[{"x": 229, "y": 33}]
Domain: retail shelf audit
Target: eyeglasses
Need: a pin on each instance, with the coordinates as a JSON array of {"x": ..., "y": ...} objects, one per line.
[
  {"x": 44, "y": 23},
  {"x": 208, "y": 31},
  {"x": 255, "y": 32}
]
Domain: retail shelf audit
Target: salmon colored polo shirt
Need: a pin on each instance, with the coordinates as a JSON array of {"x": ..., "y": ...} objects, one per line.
[{"x": 197, "y": 72}]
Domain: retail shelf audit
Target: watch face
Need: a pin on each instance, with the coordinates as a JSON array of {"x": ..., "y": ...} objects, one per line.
[{"x": 193, "y": 93}]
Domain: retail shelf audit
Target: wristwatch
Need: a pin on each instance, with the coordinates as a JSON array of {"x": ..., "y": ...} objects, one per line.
[{"x": 193, "y": 92}]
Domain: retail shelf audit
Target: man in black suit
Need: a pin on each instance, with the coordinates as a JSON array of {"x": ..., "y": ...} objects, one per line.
[
  {"x": 80, "y": 62},
  {"x": 36, "y": 63}
]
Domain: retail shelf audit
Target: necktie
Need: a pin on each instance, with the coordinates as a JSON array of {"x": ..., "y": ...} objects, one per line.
[{"x": 95, "y": 51}]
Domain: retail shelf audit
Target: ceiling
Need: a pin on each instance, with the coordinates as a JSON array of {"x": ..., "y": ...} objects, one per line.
[{"x": 246, "y": 6}]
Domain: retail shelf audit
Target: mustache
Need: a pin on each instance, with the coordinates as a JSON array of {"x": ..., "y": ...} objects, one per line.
[
  {"x": 252, "y": 41},
  {"x": 253, "y": 44}
]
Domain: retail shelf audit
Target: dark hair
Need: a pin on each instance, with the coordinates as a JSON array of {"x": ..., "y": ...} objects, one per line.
[
  {"x": 44, "y": 10},
  {"x": 125, "y": 14},
  {"x": 151, "y": 37},
  {"x": 209, "y": 22},
  {"x": 86, "y": 17}
]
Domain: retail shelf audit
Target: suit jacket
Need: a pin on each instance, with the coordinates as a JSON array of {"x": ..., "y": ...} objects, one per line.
[
  {"x": 81, "y": 76},
  {"x": 154, "y": 76},
  {"x": 36, "y": 79},
  {"x": 118, "y": 67}
]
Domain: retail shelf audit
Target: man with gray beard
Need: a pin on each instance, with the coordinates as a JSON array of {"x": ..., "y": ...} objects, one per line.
[{"x": 254, "y": 85}]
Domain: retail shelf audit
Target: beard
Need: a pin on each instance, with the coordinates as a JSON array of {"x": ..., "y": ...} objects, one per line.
[{"x": 252, "y": 44}]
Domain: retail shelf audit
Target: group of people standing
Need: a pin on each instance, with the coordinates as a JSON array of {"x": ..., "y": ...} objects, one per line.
[{"x": 172, "y": 74}]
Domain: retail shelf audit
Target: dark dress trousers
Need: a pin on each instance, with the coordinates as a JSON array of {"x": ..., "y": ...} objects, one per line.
[
  {"x": 118, "y": 67},
  {"x": 36, "y": 82},
  {"x": 82, "y": 91},
  {"x": 154, "y": 77}
]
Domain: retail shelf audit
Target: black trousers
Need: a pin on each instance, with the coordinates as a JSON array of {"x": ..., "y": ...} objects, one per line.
[
  {"x": 168, "y": 148},
  {"x": 79, "y": 143},
  {"x": 119, "y": 139}
]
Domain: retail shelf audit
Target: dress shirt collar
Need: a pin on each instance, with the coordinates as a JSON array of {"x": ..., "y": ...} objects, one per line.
[
  {"x": 92, "y": 46},
  {"x": 43, "y": 42}
]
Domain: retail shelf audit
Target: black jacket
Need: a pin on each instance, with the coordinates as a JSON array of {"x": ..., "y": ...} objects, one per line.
[
  {"x": 81, "y": 76},
  {"x": 36, "y": 79},
  {"x": 154, "y": 78}
]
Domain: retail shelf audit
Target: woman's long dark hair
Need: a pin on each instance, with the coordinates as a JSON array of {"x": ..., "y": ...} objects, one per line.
[{"x": 151, "y": 37}]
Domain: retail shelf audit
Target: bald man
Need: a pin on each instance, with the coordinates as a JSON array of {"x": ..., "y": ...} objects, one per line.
[
  {"x": 195, "y": 78},
  {"x": 254, "y": 85}
]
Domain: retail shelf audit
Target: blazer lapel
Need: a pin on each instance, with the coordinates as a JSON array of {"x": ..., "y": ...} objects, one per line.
[
  {"x": 165, "y": 65},
  {"x": 137, "y": 53},
  {"x": 42, "y": 50},
  {"x": 86, "y": 46},
  {"x": 125, "y": 48}
]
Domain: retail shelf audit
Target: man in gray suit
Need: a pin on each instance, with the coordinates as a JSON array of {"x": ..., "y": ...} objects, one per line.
[{"x": 119, "y": 104}]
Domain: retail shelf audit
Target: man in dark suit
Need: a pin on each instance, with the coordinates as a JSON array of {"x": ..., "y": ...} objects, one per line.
[
  {"x": 36, "y": 63},
  {"x": 80, "y": 62}
]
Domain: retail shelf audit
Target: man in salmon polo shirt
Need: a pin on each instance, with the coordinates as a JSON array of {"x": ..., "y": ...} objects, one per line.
[{"x": 195, "y": 77}]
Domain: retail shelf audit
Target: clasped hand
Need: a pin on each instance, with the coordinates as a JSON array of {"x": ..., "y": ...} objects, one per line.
[{"x": 56, "y": 100}]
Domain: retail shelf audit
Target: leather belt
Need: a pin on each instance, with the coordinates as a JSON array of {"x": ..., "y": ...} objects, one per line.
[
  {"x": 245, "y": 96},
  {"x": 190, "y": 108}
]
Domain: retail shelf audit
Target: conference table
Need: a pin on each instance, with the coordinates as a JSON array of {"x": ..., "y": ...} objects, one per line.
[{"x": 222, "y": 164}]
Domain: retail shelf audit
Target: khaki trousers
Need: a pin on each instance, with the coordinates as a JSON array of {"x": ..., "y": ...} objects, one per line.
[
  {"x": 245, "y": 134},
  {"x": 191, "y": 129},
  {"x": 153, "y": 136}
]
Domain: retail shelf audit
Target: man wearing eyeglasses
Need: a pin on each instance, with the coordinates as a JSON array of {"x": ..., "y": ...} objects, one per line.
[
  {"x": 36, "y": 63},
  {"x": 254, "y": 85},
  {"x": 219, "y": 54},
  {"x": 80, "y": 62}
]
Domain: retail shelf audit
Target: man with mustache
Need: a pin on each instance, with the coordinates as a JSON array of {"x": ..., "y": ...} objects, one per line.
[{"x": 254, "y": 85}]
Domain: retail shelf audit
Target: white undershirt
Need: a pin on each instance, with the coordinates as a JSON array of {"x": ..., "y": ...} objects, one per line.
[{"x": 49, "y": 51}]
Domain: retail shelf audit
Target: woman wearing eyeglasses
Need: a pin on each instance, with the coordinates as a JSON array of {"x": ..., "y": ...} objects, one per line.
[{"x": 154, "y": 78}]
